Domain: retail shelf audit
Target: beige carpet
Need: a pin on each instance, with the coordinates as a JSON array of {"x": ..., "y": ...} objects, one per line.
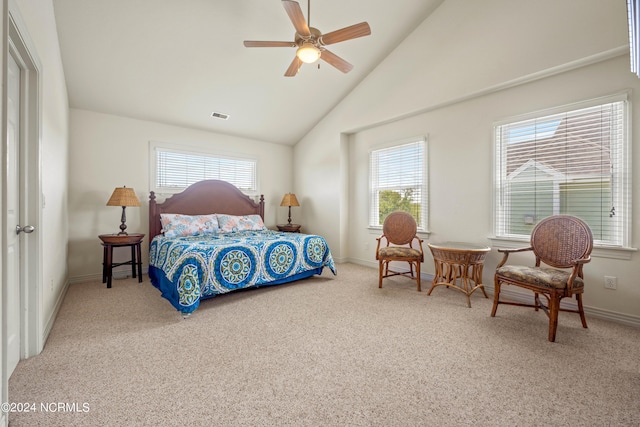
[{"x": 326, "y": 351}]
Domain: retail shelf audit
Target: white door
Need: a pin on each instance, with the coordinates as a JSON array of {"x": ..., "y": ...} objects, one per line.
[{"x": 13, "y": 217}]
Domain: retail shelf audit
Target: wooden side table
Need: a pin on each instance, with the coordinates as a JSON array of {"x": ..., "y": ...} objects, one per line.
[
  {"x": 289, "y": 228},
  {"x": 110, "y": 241},
  {"x": 459, "y": 266}
]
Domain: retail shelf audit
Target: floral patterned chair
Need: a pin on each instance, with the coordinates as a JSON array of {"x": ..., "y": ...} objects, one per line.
[
  {"x": 399, "y": 233},
  {"x": 561, "y": 242}
]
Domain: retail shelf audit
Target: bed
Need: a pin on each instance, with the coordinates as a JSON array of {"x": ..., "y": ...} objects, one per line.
[{"x": 210, "y": 239}]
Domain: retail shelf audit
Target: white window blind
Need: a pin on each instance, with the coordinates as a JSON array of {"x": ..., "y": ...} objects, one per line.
[
  {"x": 398, "y": 181},
  {"x": 175, "y": 170},
  {"x": 573, "y": 162}
]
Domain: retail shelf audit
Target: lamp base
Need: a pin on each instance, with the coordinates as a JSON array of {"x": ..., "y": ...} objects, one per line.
[{"x": 123, "y": 220}]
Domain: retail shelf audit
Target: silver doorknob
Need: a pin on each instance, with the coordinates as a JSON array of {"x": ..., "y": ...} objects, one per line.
[{"x": 27, "y": 229}]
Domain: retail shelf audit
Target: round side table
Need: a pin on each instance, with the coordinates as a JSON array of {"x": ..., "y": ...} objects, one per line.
[
  {"x": 289, "y": 228},
  {"x": 110, "y": 241}
]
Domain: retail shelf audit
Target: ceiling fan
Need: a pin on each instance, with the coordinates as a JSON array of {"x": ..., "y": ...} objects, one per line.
[{"x": 310, "y": 42}]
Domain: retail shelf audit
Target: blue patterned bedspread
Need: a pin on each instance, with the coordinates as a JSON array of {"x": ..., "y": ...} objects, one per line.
[{"x": 188, "y": 269}]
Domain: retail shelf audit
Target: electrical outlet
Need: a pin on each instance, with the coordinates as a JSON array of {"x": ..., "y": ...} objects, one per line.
[
  {"x": 610, "y": 282},
  {"x": 51, "y": 285}
]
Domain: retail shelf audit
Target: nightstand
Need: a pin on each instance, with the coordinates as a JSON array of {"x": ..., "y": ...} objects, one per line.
[
  {"x": 289, "y": 228},
  {"x": 110, "y": 241}
]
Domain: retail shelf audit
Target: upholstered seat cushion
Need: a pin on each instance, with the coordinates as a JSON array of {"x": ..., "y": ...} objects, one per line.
[
  {"x": 398, "y": 251},
  {"x": 539, "y": 276}
]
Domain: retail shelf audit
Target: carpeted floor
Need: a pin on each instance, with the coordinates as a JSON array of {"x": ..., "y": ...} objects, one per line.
[{"x": 326, "y": 351}]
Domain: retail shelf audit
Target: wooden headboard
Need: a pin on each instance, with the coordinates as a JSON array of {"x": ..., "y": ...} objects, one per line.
[{"x": 202, "y": 198}]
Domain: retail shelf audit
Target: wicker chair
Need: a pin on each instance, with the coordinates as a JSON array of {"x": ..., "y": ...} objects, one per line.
[
  {"x": 560, "y": 241},
  {"x": 398, "y": 231}
]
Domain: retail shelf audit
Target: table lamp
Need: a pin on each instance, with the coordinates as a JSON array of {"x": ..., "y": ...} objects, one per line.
[
  {"x": 123, "y": 196},
  {"x": 289, "y": 199}
]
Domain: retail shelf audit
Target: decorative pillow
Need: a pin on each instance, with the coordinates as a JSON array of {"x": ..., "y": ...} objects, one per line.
[
  {"x": 233, "y": 223},
  {"x": 178, "y": 225}
]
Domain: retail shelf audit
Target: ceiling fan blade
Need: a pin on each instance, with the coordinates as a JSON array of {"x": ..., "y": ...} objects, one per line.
[
  {"x": 294, "y": 67},
  {"x": 336, "y": 61},
  {"x": 297, "y": 18},
  {"x": 354, "y": 31},
  {"x": 253, "y": 43}
]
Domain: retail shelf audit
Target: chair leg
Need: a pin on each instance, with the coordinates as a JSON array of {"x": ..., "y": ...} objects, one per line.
[
  {"x": 476, "y": 273},
  {"x": 380, "y": 274},
  {"x": 496, "y": 296},
  {"x": 418, "y": 275},
  {"x": 581, "y": 310},
  {"x": 554, "y": 308}
]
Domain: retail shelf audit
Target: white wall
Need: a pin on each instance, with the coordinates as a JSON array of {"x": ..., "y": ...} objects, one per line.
[
  {"x": 109, "y": 151},
  {"x": 475, "y": 62}
]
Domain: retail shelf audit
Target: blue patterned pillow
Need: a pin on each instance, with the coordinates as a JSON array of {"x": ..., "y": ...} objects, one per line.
[
  {"x": 233, "y": 223},
  {"x": 178, "y": 225}
]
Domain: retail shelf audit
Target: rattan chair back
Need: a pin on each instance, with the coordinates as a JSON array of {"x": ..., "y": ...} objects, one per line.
[
  {"x": 399, "y": 228},
  {"x": 560, "y": 240}
]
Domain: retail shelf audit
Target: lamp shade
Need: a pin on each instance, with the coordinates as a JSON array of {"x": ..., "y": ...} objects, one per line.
[
  {"x": 289, "y": 199},
  {"x": 123, "y": 196}
]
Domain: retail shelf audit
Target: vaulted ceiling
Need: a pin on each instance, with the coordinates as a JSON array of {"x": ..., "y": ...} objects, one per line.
[{"x": 177, "y": 62}]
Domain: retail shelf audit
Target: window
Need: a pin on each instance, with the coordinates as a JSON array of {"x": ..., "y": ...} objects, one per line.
[
  {"x": 565, "y": 162},
  {"x": 173, "y": 170},
  {"x": 398, "y": 181}
]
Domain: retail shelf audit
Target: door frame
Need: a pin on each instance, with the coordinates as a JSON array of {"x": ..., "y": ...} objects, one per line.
[
  {"x": 23, "y": 50},
  {"x": 17, "y": 43},
  {"x": 15, "y": 40}
]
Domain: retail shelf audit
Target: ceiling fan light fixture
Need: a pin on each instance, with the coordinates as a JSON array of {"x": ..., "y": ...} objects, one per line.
[{"x": 308, "y": 53}]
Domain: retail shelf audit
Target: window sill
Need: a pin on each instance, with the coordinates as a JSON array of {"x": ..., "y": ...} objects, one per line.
[{"x": 623, "y": 253}]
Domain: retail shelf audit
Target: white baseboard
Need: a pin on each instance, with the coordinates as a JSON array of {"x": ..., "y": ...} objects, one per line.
[
  {"x": 52, "y": 318},
  {"x": 123, "y": 274},
  {"x": 625, "y": 319},
  {"x": 527, "y": 298}
]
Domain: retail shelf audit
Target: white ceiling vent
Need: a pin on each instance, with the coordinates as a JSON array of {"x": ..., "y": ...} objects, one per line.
[{"x": 222, "y": 116}]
